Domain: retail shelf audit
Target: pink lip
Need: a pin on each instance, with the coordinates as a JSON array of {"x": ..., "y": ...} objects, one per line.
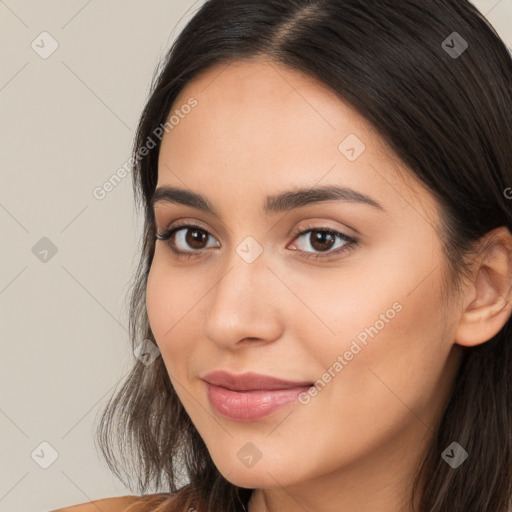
[
  {"x": 250, "y": 381},
  {"x": 250, "y": 396}
]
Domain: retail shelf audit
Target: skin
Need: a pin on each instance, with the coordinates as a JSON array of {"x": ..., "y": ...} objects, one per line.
[{"x": 259, "y": 129}]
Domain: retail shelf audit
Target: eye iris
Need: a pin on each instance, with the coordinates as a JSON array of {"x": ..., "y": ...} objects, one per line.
[
  {"x": 198, "y": 236},
  {"x": 322, "y": 237}
]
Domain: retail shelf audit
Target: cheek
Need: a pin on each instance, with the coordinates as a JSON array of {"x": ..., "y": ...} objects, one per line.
[
  {"x": 394, "y": 347},
  {"x": 172, "y": 301},
  {"x": 376, "y": 307},
  {"x": 157, "y": 297},
  {"x": 164, "y": 298},
  {"x": 170, "y": 297}
]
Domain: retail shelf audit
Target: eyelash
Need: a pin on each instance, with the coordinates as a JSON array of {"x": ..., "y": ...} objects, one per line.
[{"x": 349, "y": 245}]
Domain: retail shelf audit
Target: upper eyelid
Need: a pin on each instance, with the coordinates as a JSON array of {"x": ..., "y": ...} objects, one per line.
[{"x": 183, "y": 225}]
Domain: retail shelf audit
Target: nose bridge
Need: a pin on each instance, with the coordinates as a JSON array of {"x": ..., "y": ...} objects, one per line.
[{"x": 239, "y": 306}]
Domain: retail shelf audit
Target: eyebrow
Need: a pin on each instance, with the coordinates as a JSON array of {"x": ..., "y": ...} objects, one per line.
[{"x": 284, "y": 201}]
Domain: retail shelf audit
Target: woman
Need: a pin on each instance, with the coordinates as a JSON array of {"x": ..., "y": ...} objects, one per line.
[{"x": 326, "y": 266}]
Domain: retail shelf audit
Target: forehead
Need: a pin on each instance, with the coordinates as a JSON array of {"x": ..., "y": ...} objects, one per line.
[
  {"x": 264, "y": 94},
  {"x": 260, "y": 126}
]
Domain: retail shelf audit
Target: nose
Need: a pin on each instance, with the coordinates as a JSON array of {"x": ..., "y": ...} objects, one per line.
[{"x": 244, "y": 305}]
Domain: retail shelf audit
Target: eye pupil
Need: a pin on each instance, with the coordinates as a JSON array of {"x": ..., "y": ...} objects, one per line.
[
  {"x": 198, "y": 236},
  {"x": 322, "y": 237}
]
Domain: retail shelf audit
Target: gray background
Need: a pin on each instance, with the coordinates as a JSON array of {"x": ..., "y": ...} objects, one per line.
[{"x": 67, "y": 125}]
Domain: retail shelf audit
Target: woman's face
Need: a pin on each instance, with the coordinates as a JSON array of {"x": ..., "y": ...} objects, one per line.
[{"x": 367, "y": 321}]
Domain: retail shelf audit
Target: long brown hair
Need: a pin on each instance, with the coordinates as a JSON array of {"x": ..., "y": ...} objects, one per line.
[{"x": 446, "y": 116}]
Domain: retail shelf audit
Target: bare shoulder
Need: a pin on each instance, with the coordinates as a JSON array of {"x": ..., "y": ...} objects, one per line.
[{"x": 104, "y": 505}]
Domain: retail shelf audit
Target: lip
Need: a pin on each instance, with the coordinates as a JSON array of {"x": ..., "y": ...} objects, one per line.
[
  {"x": 250, "y": 396},
  {"x": 250, "y": 381}
]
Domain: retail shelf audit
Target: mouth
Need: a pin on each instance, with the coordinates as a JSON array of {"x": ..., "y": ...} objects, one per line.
[
  {"x": 250, "y": 397},
  {"x": 251, "y": 381}
]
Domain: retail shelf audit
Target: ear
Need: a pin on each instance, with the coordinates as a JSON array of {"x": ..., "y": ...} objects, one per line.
[{"x": 487, "y": 301}]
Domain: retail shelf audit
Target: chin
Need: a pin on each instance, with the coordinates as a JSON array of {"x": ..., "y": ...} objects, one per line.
[
  {"x": 259, "y": 476},
  {"x": 249, "y": 480}
]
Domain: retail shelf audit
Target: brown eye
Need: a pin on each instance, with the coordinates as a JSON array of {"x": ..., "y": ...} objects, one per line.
[
  {"x": 323, "y": 240},
  {"x": 195, "y": 238},
  {"x": 188, "y": 241}
]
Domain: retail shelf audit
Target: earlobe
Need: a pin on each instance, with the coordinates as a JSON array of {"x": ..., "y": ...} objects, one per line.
[{"x": 487, "y": 305}]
